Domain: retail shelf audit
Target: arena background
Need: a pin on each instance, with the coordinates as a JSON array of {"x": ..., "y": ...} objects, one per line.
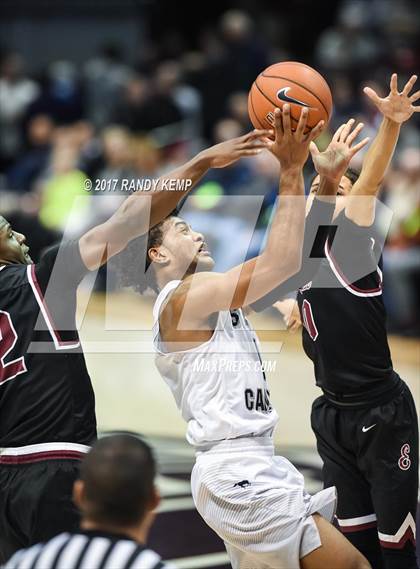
[{"x": 109, "y": 89}]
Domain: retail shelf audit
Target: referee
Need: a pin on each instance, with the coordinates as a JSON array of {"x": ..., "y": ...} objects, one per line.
[{"x": 117, "y": 498}]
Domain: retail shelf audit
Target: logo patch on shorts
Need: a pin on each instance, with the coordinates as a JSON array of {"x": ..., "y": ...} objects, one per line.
[
  {"x": 243, "y": 484},
  {"x": 405, "y": 461},
  {"x": 366, "y": 429}
]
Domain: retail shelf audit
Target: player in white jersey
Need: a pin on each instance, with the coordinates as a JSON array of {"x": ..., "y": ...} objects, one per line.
[{"x": 208, "y": 355}]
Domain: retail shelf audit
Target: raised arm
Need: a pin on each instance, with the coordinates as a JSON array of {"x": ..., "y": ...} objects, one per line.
[
  {"x": 396, "y": 108},
  {"x": 203, "y": 294},
  {"x": 331, "y": 165},
  {"x": 143, "y": 210}
]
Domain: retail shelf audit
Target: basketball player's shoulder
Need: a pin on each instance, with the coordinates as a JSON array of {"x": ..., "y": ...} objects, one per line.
[
  {"x": 12, "y": 276},
  {"x": 193, "y": 284}
]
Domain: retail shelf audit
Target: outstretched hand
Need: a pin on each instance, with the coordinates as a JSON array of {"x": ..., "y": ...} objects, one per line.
[
  {"x": 335, "y": 159},
  {"x": 291, "y": 148},
  {"x": 397, "y": 106},
  {"x": 226, "y": 153}
]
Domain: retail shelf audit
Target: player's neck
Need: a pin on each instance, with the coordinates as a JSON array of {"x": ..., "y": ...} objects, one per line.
[
  {"x": 165, "y": 277},
  {"x": 137, "y": 533}
]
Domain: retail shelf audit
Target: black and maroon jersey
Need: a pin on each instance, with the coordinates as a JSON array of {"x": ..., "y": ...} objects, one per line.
[
  {"x": 344, "y": 318},
  {"x": 45, "y": 389},
  {"x": 317, "y": 228}
]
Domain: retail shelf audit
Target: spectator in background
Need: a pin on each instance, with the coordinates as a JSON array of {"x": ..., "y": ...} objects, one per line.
[
  {"x": 346, "y": 102},
  {"x": 230, "y": 59},
  {"x": 237, "y": 107},
  {"x": 28, "y": 168},
  {"x": 107, "y": 197},
  {"x": 117, "y": 496},
  {"x": 403, "y": 197},
  {"x": 399, "y": 23},
  {"x": 106, "y": 76},
  {"x": 62, "y": 96},
  {"x": 117, "y": 153},
  {"x": 117, "y": 156},
  {"x": 402, "y": 253},
  {"x": 17, "y": 92},
  {"x": 90, "y": 148},
  {"x": 144, "y": 107},
  {"x": 187, "y": 99},
  {"x": 351, "y": 45},
  {"x": 61, "y": 187},
  {"x": 147, "y": 158},
  {"x": 234, "y": 178},
  {"x": 246, "y": 55}
]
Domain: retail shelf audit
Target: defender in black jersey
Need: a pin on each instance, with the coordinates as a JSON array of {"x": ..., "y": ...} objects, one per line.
[
  {"x": 365, "y": 422},
  {"x": 47, "y": 415}
]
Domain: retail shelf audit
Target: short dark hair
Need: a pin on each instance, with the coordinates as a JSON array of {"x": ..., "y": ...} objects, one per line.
[
  {"x": 350, "y": 173},
  {"x": 132, "y": 264},
  {"x": 118, "y": 475}
]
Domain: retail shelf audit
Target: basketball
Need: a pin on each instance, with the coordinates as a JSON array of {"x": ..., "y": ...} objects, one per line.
[{"x": 289, "y": 82}]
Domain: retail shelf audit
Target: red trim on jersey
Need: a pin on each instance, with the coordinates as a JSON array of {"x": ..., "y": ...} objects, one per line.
[
  {"x": 309, "y": 321},
  {"x": 407, "y": 536},
  {"x": 50, "y": 321},
  {"x": 360, "y": 527},
  {"x": 39, "y": 456},
  {"x": 342, "y": 275}
]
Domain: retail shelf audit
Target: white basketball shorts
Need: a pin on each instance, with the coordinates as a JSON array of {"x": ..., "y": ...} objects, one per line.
[{"x": 256, "y": 502}]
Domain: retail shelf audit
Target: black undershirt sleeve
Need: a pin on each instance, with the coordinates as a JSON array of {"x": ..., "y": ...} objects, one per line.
[
  {"x": 58, "y": 275},
  {"x": 64, "y": 262},
  {"x": 317, "y": 229},
  {"x": 353, "y": 249}
]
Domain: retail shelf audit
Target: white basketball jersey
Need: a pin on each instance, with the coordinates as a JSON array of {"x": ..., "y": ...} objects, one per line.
[{"x": 219, "y": 386}]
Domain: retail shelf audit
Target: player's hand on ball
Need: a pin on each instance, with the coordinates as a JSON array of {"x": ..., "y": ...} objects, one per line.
[
  {"x": 397, "y": 106},
  {"x": 291, "y": 148},
  {"x": 226, "y": 153},
  {"x": 335, "y": 159}
]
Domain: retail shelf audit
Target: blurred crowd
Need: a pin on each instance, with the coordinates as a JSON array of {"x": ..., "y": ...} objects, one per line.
[{"x": 111, "y": 119}]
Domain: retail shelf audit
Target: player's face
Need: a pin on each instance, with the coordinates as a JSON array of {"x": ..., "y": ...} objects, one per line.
[
  {"x": 13, "y": 248},
  {"x": 184, "y": 248},
  {"x": 343, "y": 191}
]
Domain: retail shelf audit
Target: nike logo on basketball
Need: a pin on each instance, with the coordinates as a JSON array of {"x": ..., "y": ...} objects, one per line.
[
  {"x": 283, "y": 96},
  {"x": 366, "y": 429}
]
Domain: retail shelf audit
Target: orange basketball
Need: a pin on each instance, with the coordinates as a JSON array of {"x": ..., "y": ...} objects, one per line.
[{"x": 294, "y": 83}]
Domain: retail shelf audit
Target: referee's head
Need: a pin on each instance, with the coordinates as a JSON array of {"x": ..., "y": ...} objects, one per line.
[{"x": 116, "y": 486}]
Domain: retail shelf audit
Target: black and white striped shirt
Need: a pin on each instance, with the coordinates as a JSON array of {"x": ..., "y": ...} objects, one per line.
[{"x": 87, "y": 550}]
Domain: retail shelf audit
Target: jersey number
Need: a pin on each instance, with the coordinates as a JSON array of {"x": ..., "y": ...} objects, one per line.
[
  {"x": 308, "y": 320},
  {"x": 8, "y": 339}
]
